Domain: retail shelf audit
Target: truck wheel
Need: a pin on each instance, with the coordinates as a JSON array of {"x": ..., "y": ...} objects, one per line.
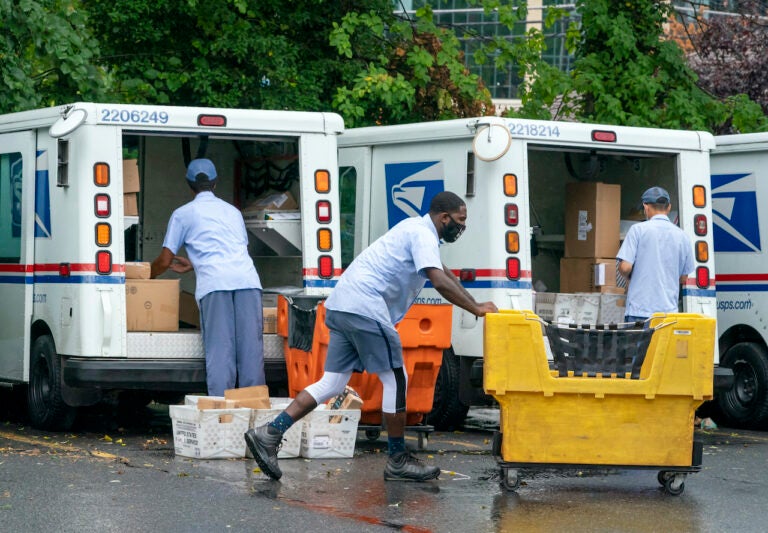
[
  {"x": 448, "y": 412},
  {"x": 46, "y": 406},
  {"x": 745, "y": 405}
]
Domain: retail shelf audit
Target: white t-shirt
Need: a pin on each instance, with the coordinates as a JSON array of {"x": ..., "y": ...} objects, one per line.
[
  {"x": 214, "y": 235},
  {"x": 384, "y": 280}
]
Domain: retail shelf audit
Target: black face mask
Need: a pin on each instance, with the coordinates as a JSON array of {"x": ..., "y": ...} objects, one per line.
[{"x": 452, "y": 230}]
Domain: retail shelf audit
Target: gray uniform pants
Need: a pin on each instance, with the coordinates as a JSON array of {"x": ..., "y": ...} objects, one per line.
[{"x": 232, "y": 330}]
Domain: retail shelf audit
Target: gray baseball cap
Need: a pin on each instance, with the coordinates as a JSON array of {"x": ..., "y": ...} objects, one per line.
[{"x": 655, "y": 195}]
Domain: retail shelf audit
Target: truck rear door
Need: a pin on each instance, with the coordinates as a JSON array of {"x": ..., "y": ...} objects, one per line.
[{"x": 17, "y": 222}]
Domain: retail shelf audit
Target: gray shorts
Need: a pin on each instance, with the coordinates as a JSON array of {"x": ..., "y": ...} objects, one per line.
[{"x": 358, "y": 343}]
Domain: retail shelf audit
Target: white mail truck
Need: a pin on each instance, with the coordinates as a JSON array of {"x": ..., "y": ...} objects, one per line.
[
  {"x": 70, "y": 221},
  {"x": 739, "y": 166},
  {"x": 513, "y": 175}
]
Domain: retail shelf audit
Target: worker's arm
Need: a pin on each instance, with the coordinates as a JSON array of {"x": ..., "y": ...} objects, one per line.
[
  {"x": 167, "y": 260},
  {"x": 450, "y": 289},
  {"x": 683, "y": 279},
  {"x": 625, "y": 269},
  {"x": 457, "y": 281}
]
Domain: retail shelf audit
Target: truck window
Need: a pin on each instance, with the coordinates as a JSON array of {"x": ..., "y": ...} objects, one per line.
[
  {"x": 347, "y": 193},
  {"x": 10, "y": 207}
]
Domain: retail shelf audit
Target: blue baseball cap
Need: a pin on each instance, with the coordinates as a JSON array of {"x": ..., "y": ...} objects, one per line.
[
  {"x": 201, "y": 170},
  {"x": 655, "y": 195}
]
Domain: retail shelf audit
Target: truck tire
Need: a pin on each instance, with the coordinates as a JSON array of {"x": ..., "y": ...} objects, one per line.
[
  {"x": 46, "y": 406},
  {"x": 448, "y": 413},
  {"x": 745, "y": 405}
]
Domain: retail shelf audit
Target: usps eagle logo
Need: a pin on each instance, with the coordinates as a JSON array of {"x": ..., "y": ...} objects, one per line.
[
  {"x": 410, "y": 188},
  {"x": 734, "y": 213}
]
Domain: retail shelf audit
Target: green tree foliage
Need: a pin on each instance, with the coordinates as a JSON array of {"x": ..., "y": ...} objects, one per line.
[
  {"x": 267, "y": 54},
  {"x": 625, "y": 71},
  {"x": 47, "y": 55},
  {"x": 352, "y": 56},
  {"x": 407, "y": 71}
]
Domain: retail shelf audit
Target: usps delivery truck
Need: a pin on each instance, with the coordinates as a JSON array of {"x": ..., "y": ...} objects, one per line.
[
  {"x": 739, "y": 166},
  {"x": 69, "y": 223},
  {"x": 513, "y": 176}
]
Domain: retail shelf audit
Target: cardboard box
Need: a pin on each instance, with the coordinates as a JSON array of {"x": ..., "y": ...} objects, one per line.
[
  {"x": 130, "y": 205},
  {"x": 189, "y": 312},
  {"x": 130, "y": 176},
  {"x": 255, "y": 397},
  {"x": 592, "y": 214},
  {"x": 270, "y": 319},
  {"x": 212, "y": 402},
  {"x": 587, "y": 274},
  {"x": 281, "y": 201},
  {"x": 152, "y": 304},
  {"x": 138, "y": 270}
]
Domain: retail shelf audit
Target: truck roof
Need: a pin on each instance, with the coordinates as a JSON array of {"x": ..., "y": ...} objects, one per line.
[
  {"x": 741, "y": 142},
  {"x": 178, "y": 118},
  {"x": 568, "y": 133}
]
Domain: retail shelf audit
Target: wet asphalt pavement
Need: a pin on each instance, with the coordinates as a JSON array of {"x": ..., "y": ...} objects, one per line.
[{"x": 116, "y": 471}]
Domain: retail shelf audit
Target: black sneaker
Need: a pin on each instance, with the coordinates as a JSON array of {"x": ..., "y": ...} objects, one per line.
[
  {"x": 403, "y": 466},
  {"x": 264, "y": 446}
]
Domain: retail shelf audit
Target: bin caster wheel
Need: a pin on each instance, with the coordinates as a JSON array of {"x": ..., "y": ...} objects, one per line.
[
  {"x": 372, "y": 434},
  {"x": 663, "y": 476},
  {"x": 510, "y": 478},
  {"x": 674, "y": 485},
  {"x": 423, "y": 440}
]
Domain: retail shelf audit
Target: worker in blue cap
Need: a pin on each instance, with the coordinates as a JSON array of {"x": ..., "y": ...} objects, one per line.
[
  {"x": 656, "y": 258},
  {"x": 228, "y": 288}
]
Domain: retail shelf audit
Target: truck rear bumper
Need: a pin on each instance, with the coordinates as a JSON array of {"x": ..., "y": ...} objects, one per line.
[{"x": 183, "y": 375}]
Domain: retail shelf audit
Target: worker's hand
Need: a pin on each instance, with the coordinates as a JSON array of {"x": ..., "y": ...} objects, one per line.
[
  {"x": 180, "y": 265},
  {"x": 486, "y": 307}
]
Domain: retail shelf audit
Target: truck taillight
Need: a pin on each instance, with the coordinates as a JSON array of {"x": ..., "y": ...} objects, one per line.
[
  {"x": 513, "y": 242},
  {"x": 324, "y": 240},
  {"x": 510, "y": 214},
  {"x": 510, "y": 185},
  {"x": 700, "y": 225},
  {"x": 212, "y": 120},
  {"x": 323, "y": 208},
  {"x": 513, "y": 268},
  {"x": 103, "y": 262},
  {"x": 102, "y": 206},
  {"x": 101, "y": 174},
  {"x": 702, "y": 277},
  {"x": 467, "y": 274},
  {"x": 699, "y": 196},
  {"x": 103, "y": 234},
  {"x": 702, "y": 251},
  {"x": 322, "y": 181},
  {"x": 604, "y": 136},
  {"x": 325, "y": 266}
]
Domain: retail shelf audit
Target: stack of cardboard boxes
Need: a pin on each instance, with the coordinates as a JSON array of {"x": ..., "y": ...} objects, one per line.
[
  {"x": 130, "y": 187},
  {"x": 588, "y": 291},
  {"x": 592, "y": 219}
]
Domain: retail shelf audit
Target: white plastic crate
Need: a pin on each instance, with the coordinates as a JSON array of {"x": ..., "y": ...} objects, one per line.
[
  {"x": 587, "y": 308},
  {"x": 544, "y": 305},
  {"x": 612, "y": 308},
  {"x": 566, "y": 307},
  {"x": 209, "y": 434},
  {"x": 323, "y": 439},
  {"x": 291, "y": 446}
]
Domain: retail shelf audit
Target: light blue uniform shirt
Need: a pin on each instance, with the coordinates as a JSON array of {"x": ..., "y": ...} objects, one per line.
[
  {"x": 660, "y": 253},
  {"x": 214, "y": 235},
  {"x": 384, "y": 280}
]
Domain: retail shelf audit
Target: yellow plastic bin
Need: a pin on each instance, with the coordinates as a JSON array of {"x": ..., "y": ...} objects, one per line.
[{"x": 599, "y": 419}]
